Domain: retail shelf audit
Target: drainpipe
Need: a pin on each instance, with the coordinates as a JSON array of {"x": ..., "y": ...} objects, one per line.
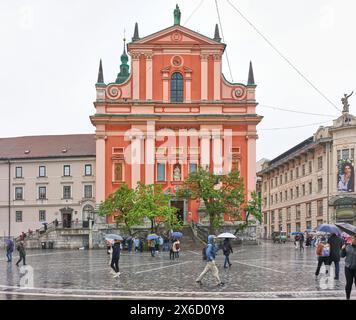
[
  {"x": 327, "y": 179},
  {"x": 9, "y": 197}
]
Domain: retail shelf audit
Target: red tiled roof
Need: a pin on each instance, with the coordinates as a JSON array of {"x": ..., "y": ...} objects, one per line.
[{"x": 79, "y": 145}]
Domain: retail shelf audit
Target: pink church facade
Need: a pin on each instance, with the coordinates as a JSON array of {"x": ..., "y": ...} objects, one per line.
[{"x": 171, "y": 112}]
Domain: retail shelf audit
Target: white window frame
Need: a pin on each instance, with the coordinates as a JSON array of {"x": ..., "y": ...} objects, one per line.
[
  {"x": 23, "y": 193},
  {"x": 88, "y": 165},
  {"x": 84, "y": 195},
  {"x": 39, "y": 193},
  {"x": 39, "y": 171},
  {"x": 70, "y": 194},
  {"x": 64, "y": 170},
  {"x": 21, "y": 168},
  {"x": 165, "y": 171},
  {"x": 113, "y": 171},
  {"x": 39, "y": 215},
  {"x": 19, "y": 211}
]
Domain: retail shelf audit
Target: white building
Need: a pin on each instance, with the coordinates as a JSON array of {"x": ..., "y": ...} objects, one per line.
[
  {"x": 44, "y": 178},
  {"x": 303, "y": 187}
]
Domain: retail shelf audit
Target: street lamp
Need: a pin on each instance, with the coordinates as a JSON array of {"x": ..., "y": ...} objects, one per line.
[{"x": 90, "y": 219}]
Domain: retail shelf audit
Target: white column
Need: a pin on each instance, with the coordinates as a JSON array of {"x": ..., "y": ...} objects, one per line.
[
  {"x": 150, "y": 153},
  {"x": 217, "y": 151},
  {"x": 148, "y": 76},
  {"x": 204, "y": 76},
  {"x": 136, "y": 152},
  {"x": 251, "y": 165},
  {"x": 135, "y": 75},
  {"x": 188, "y": 86},
  {"x": 100, "y": 169},
  {"x": 205, "y": 148},
  {"x": 165, "y": 86},
  {"x": 217, "y": 75}
]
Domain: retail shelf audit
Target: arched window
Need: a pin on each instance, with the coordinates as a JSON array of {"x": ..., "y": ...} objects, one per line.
[
  {"x": 176, "y": 87},
  {"x": 87, "y": 212}
]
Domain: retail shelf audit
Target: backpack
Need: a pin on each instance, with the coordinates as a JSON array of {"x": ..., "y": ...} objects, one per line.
[
  {"x": 325, "y": 252},
  {"x": 204, "y": 253}
]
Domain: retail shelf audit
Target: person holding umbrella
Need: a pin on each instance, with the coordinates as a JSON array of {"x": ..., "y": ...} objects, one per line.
[
  {"x": 227, "y": 249},
  {"x": 335, "y": 243},
  {"x": 349, "y": 252},
  {"x": 210, "y": 265},
  {"x": 9, "y": 249},
  {"x": 115, "y": 258}
]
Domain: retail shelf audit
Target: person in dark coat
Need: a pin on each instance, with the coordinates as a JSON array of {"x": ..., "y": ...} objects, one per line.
[
  {"x": 335, "y": 247},
  {"x": 115, "y": 258},
  {"x": 227, "y": 249},
  {"x": 22, "y": 253},
  {"x": 349, "y": 251},
  {"x": 9, "y": 250}
]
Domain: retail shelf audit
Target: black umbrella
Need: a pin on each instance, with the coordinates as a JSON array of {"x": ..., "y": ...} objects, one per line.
[{"x": 347, "y": 228}]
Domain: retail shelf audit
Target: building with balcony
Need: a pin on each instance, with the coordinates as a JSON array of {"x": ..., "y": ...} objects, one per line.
[
  {"x": 313, "y": 182},
  {"x": 46, "y": 178}
]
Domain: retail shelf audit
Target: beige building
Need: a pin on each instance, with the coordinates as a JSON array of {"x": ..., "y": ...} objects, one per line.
[
  {"x": 313, "y": 182},
  {"x": 44, "y": 178}
]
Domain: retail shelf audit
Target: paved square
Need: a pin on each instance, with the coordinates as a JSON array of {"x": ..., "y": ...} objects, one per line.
[{"x": 266, "y": 271}]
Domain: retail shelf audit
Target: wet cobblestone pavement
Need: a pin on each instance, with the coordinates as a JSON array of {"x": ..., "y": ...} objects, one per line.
[{"x": 266, "y": 271}]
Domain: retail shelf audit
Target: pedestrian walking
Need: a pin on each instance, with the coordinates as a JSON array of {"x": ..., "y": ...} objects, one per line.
[
  {"x": 115, "y": 258},
  {"x": 22, "y": 253},
  {"x": 176, "y": 248},
  {"x": 9, "y": 250},
  {"x": 210, "y": 265},
  {"x": 171, "y": 251},
  {"x": 227, "y": 249},
  {"x": 152, "y": 247},
  {"x": 323, "y": 254},
  {"x": 140, "y": 245},
  {"x": 296, "y": 241},
  {"x": 301, "y": 242},
  {"x": 129, "y": 244},
  {"x": 136, "y": 244},
  {"x": 349, "y": 253},
  {"x": 335, "y": 243}
]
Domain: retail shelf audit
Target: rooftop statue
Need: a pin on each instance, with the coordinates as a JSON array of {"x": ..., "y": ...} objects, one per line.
[
  {"x": 177, "y": 15},
  {"x": 345, "y": 102}
]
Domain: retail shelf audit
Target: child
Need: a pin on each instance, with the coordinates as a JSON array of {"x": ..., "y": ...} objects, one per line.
[{"x": 323, "y": 254}]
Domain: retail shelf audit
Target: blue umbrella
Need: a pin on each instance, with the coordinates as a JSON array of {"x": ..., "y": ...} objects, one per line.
[
  {"x": 8, "y": 242},
  {"x": 152, "y": 237},
  {"x": 177, "y": 234},
  {"x": 328, "y": 228},
  {"x": 296, "y": 233}
]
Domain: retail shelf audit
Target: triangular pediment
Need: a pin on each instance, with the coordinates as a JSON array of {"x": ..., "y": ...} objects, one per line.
[{"x": 176, "y": 35}]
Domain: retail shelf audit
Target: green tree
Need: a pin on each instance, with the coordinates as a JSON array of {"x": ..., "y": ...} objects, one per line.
[
  {"x": 222, "y": 194},
  {"x": 122, "y": 203},
  {"x": 253, "y": 211},
  {"x": 154, "y": 204}
]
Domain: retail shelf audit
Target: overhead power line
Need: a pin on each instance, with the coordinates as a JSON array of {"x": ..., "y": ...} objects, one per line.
[
  {"x": 297, "y": 111},
  {"x": 281, "y": 55},
  {"x": 293, "y": 127},
  {"x": 193, "y": 12},
  {"x": 222, "y": 34}
]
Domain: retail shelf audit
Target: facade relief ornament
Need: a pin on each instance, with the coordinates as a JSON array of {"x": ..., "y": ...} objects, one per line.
[
  {"x": 176, "y": 36},
  {"x": 177, "y": 61},
  {"x": 238, "y": 93},
  {"x": 113, "y": 92},
  {"x": 135, "y": 55},
  {"x": 148, "y": 55},
  {"x": 204, "y": 56},
  {"x": 217, "y": 57}
]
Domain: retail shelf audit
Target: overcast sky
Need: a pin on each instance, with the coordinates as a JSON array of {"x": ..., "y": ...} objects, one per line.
[{"x": 50, "y": 51}]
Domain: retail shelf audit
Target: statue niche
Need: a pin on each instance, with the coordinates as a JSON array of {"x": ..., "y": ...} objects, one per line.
[{"x": 177, "y": 172}]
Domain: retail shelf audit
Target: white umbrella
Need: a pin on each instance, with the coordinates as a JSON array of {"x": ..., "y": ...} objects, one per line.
[{"x": 227, "y": 235}]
